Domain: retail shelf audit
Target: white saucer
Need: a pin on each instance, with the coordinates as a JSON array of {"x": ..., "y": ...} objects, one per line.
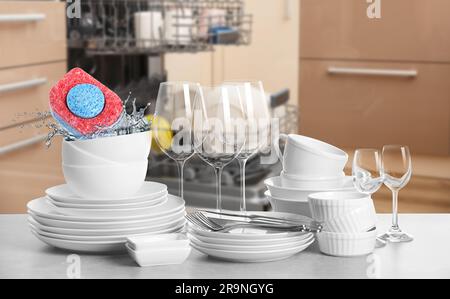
[
  {"x": 149, "y": 191},
  {"x": 259, "y": 247},
  {"x": 252, "y": 256},
  {"x": 42, "y": 208},
  {"x": 108, "y": 225}
]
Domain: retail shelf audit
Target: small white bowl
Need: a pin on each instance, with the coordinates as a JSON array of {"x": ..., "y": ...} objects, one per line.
[
  {"x": 106, "y": 182},
  {"x": 159, "y": 250},
  {"x": 289, "y": 206},
  {"x": 330, "y": 205},
  {"x": 305, "y": 156},
  {"x": 292, "y": 181},
  {"x": 119, "y": 149},
  {"x": 347, "y": 245},
  {"x": 277, "y": 190}
]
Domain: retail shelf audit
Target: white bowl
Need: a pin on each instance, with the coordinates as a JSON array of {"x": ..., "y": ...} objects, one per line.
[
  {"x": 106, "y": 182},
  {"x": 347, "y": 245},
  {"x": 305, "y": 156},
  {"x": 357, "y": 221},
  {"x": 277, "y": 190},
  {"x": 119, "y": 149},
  {"x": 289, "y": 206},
  {"x": 330, "y": 205},
  {"x": 76, "y": 156},
  {"x": 292, "y": 181}
]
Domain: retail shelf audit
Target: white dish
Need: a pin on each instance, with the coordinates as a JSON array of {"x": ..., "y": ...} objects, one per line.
[
  {"x": 106, "y": 182},
  {"x": 252, "y": 256},
  {"x": 107, "y": 225},
  {"x": 160, "y": 257},
  {"x": 305, "y": 156},
  {"x": 347, "y": 245},
  {"x": 277, "y": 190},
  {"x": 95, "y": 213},
  {"x": 79, "y": 246},
  {"x": 148, "y": 192},
  {"x": 291, "y": 181},
  {"x": 40, "y": 207},
  {"x": 175, "y": 227},
  {"x": 120, "y": 149},
  {"x": 102, "y": 207},
  {"x": 289, "y": 206},
  {"x": 261, "y": 247},
  {"x": 356, "y": 221},
  {"x": 106, "y": 232},
  {"x": 155, "y": 242},
  {"x": 329, "y": 205},
  {"x": 245, "y": 242}
]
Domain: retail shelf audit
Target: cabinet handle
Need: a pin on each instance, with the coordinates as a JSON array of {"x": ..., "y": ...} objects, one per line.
[
  {"x": 21, "y": 18},
  {"x": 22, "y": 85},
  {"x": 373, "y": 72},
  {"x": 22, "y": 144}
]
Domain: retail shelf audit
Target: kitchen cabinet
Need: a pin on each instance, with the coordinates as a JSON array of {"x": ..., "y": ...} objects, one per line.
[
  {"x": 369, "y": 82},
  {"x": 270, "y": 57},
  {"x": 32, "y": 58}
]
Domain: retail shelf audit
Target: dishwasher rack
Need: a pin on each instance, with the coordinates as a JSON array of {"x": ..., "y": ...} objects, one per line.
[{"x": 121, "y": 27}]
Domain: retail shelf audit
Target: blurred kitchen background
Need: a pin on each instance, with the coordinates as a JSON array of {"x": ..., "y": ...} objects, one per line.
[{"x": 330, "y": 71}]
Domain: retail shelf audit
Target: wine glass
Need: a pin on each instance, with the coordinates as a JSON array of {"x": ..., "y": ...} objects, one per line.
[
  {"x": 256, "y": 125},
  {"x": 172, "y": 123},
  {"x": 366, "y": 170},
  {"x": 397, "y": 171},
  {"x": 218, "y": 137}
]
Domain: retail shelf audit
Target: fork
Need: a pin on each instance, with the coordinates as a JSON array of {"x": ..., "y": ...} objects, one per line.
[{"x": 199, "y": 219}]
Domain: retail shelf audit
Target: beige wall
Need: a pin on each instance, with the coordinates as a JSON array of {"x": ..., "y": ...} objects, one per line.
[{"x": 272, "y": 56}]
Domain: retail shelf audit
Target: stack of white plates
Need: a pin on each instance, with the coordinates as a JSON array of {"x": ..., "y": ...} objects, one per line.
[
  {"x": 63, "y": 220},
  {"x": 249, "y": 245}
]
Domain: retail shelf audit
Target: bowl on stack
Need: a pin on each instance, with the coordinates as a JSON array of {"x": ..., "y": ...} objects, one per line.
[
  {"x": 349, "y": 222},
  {"x": 105, "y": 199},
  {"x": 309, "y": 166}
]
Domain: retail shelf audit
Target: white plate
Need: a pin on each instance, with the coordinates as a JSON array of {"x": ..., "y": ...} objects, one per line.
[
  {"x": 78, "y": 246},
  {"x": 119, "y": 238},
  {"x": 144, "y": 204},
  {"x": 106, "y": 232},
  {"x": 252, "y": 256},
  {"x": 245, "y": 242},
  {"x": 149, "y": 191},
  {"x": 105, "y": 212},
  {"x": 108, "y": 225},
  {"x": 42, "y": 208},
  {"x": 260, "y": 247}
]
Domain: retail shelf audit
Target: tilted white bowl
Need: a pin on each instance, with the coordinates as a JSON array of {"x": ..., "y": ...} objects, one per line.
[
  {"x": 106, "y": 182},
  {"x": 118, "y": 149},
  {"x": 292, "y": 181}
]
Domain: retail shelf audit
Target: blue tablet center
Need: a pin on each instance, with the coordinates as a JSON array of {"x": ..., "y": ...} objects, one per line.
[{"x": 85, "y": 100}]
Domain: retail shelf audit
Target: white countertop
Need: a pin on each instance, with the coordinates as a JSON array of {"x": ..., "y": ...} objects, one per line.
[{"x": 23, "y": 256}]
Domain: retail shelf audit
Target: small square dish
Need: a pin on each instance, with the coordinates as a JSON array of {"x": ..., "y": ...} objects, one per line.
[
  {"x": 160, "y": 257},
  {"x": 155, "y": 242}
]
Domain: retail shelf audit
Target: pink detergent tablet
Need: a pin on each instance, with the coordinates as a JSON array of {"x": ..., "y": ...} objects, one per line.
[{"x": 83, "y": 105}]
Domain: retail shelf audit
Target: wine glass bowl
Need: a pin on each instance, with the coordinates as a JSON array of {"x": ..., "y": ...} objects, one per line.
[{"x": 366, "y": 170}]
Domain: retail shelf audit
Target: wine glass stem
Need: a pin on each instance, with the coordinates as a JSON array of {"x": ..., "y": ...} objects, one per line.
[
  {"x": 218, "y": 171},
  {"x": 395, "y": 210},
  {"x": 180, "y": 166},
  {"x": 242, "y": 164}
]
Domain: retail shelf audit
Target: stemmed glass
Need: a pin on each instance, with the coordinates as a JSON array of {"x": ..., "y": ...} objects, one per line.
[
  {"x": 172, "y": 123},
  {"x": 366, "y": 170},
  {"x": 218, "y": 137},
  {"x": 367, "y": 174},
  {"x": 256, "y": 125},
  {"x": 397, "y": 171}
]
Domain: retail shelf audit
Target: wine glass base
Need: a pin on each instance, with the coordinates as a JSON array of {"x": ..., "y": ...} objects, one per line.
[{"x": 396, "y": 237}]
